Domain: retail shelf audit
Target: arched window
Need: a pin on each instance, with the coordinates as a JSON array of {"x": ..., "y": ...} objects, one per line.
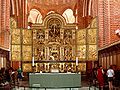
[
  {"x": 68, "y": 15},
  {"x": 35, "y": 16}
]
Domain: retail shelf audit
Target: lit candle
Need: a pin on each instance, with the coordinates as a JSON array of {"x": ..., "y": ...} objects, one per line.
[
  {"x": 33, "y": 63},
  {"x": 2, "y": 61},
  {"x": 76, "y": 61},
  {"x": 76, "y": 27}
]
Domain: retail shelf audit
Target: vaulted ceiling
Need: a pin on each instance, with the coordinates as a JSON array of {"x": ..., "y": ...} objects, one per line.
[{"x": 84, "y": 10}]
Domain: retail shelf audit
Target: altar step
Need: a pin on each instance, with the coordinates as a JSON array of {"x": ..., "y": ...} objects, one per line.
[{"x": 82, "y": 88}]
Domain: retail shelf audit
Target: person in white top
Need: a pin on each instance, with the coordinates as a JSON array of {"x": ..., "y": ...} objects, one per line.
[{"x": 110, "y": 75}]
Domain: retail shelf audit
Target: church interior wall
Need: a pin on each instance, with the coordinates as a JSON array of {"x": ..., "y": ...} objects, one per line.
[{"x": 108, "y": 23}]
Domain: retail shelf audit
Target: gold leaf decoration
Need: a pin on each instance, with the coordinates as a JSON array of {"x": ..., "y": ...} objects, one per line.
[
  {"x": 27, "y": 53},
  {"x": 15, "y": 53},
  {"x": 81, "y": 36},
  {"x": 13, "y": 23},
  {"x": 94, "y": 23},
  {"x": 27, "y": 36},
  {"x": 82, "y": 67},
  {"x": 27, "y": 67},
  {"x": 81, "y": 51},
  {"x": 15, "y": 36},
  {"x": 92, "y": 36},
  {"x": 92, "y": 52}
]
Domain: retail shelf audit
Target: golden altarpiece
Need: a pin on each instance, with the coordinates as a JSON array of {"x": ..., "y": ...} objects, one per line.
[{"x": 54, "y": 44}]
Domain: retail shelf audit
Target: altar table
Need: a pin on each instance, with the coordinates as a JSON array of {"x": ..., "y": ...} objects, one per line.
[{"x": 55, "y": 80}]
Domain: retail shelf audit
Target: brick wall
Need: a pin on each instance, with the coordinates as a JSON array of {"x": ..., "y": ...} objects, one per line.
[
  {"x": 114, "y": 20},
  {"x": 100, "y": 22},
  {"x": 4, "y": 23},
  {"x": 109, "y": 21}
]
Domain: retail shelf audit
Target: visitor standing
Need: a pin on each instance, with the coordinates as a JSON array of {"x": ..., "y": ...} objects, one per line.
[
  {"x": 19, "y": 76},
  {"x": 110, "y": 74},
  {"x": 100, "y": 78}
]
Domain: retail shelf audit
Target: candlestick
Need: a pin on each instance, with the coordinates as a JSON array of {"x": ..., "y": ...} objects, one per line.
[
  {"x": 76, "y": 61},
  {"x": 76, "y": 27},
  {"x": 33, "y": 63}
]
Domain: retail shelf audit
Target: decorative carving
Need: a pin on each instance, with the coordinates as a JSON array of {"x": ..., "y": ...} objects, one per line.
[
  {"x": 27, "y": 36},
  {"x": 54, "y": 29},
  {"x": 16, "y": 52},
  {"x": 15, "y": 36},
  {"x": 92, "y": 52},
  {"x": 56, "y": 40},
  {"x": 40, "y": 35},
  {"x": 40, "y": 53},
  {"x": 81, "y": 36},
  {"x": 94, "y": 23},
  {"x": 82, "y": 67},
  {"x": 27, "y": 67},
  {"x": 27, "y": 52},
  {"x": 81, "y": 52},
  {"x": 68, "y": 37},
  {"x": 67, "y": 53},
  {"x": 13, "y": 23},
  {"x": 92, "y": 36},
  {"x": 54, "y": 51}
]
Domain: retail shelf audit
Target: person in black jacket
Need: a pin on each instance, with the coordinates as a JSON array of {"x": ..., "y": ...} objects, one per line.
[{"x": 117, "y": 77}]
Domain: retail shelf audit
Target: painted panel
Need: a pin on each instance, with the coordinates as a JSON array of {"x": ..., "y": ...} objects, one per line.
[
  {"x": 16, "y": 53},
  {"x": 81, "y": 36},
  {"x": 82, "y": 67},
  {"x": 15, "y": 36},
  {"x": 27, "y": 53},
  {"x": 81, "y": 52},
  {"x": 92, "y": 52},
  {"x": 27, "y": 67},
  {"x": 13, "y": 23},
  {"x": 94, "y": 23},
  {"x": 92, "y": 36},
  {"x": 27, "y": 36}
]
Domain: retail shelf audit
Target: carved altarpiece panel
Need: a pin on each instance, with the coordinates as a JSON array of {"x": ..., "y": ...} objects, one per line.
[{"x": 54, "y": 44}]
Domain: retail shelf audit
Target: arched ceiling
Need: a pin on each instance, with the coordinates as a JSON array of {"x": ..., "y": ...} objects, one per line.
[
  {"x": 45, "y": 6},
  {"x": 80, "y": 8}
]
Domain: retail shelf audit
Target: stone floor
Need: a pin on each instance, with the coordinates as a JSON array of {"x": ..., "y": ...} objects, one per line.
[
  {"x": 82, "y": 88},
  {"x": 23, "y": 85}
]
